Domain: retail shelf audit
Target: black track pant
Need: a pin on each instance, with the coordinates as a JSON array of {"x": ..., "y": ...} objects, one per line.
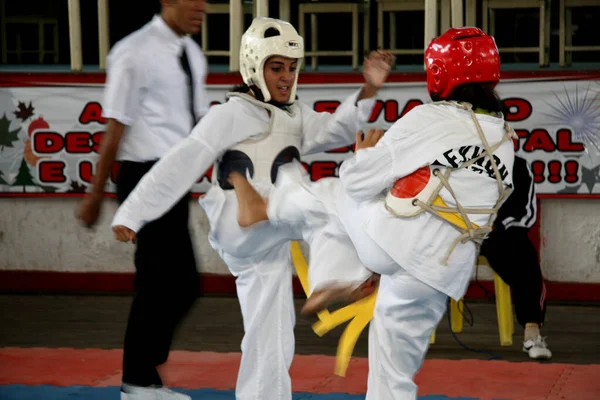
[
  {"x": 512, "y": 256},
  {"x": 166, "y": 284}
]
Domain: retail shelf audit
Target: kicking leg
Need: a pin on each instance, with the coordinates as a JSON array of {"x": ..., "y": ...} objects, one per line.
[
  {"x": 335, "y": 272},
  {"x": 252, "y": 208}
]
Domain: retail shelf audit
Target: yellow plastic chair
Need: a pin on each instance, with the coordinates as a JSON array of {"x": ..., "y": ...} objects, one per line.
[
  {"x": 358, "y": 313},
  {"x": 506, "y": 328}
]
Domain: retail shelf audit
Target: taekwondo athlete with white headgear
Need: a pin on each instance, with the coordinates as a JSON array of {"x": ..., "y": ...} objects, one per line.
[
  {"x": 258, "y": 129},
  {"x": 416, "y": 203}
]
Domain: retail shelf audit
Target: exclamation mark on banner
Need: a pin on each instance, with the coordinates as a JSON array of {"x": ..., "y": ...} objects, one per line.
[
  {"x": 554, "y": 167},
  {"x": 538, "y": 167},
  {"x": 572, "y": 168}
]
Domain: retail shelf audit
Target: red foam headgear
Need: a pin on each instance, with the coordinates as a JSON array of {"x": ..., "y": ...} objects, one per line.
[{"x": 460, "y": 56}]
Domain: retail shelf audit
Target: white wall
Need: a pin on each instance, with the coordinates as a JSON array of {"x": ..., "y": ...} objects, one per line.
[
  {"x": 571, "y": 239},
  {"x": 43, "y": 235}
]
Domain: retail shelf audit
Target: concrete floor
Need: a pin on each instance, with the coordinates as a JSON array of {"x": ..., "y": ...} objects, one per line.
[{"x": 215, "y": 324}]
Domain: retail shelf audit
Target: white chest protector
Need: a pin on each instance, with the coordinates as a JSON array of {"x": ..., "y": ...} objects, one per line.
[
  {"x": 419, "y": 192},
  {"x": 260, "y": 156}
]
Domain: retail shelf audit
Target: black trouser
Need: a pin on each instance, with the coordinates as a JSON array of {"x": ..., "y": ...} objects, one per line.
[
  {"x": 514, "y": 258},
  {"x": 166, "y": 284}
]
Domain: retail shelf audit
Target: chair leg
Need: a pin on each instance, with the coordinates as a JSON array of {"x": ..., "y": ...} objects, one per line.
[
  {"x": 284, "y": 10},
  {"x": 561, "y": 34},
  {"x": 569, "y": 16},
  {"x": 393, "y": 43},
  {"x": 379, "y": 28},
  {"x": 504, "y": 311},
  {"x": 511, "y": 318},
  {"x": 548, "y": 32},
  {"x": 41, "y": 43},
  {"x": 366, "y": 30},
  {"x": 445, "y": 15},
  {"x": 355, "y": 48},
  {"x": 471, "y": 13},
  {"x": 456, "y": 315},
  {"x": 56, "y": 47},
  {"x": 236, "y": 26},
  {"x": 431, "y": 25},
  {"x": 313, "y": 41},
  {"x": 542, "y": 38},
  {"x": 204, "y": 40},
  {"x": 4, "y": 40},
  {"x": 456, "y": 9},
  {"x": 302, "y": 24},
  {"x": 485, "y": 16}
]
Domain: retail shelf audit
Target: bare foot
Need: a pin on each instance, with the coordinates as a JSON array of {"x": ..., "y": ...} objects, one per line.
[
  {"x": 252, "y": 208},
  {"x": 321, "y": 299}
]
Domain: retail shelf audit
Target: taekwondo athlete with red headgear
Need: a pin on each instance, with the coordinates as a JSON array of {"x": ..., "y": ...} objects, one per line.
[{"x": 449, "y": 164}]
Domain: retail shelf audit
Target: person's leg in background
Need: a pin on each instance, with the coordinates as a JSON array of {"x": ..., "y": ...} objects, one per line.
[
  {"x": 179, "y": 284},
  {"x": 512, "y": 255},
  {"x": 165, "y": 287}
]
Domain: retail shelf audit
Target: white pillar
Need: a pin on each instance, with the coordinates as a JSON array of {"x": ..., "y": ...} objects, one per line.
[
  {"x": 75, "y": 35},
  {"x": 262, "y": 8},
  {"x": 236, "y": 25},
  {"x": 103, "y": 32}
]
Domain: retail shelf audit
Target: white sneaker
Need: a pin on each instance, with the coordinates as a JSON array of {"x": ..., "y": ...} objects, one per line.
[
  {"x": 537, "y": 348},
  {"x": 151, "y": 393}
]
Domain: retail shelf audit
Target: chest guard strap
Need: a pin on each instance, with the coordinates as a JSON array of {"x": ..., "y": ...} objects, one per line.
[{"x": 420, "y": 192}]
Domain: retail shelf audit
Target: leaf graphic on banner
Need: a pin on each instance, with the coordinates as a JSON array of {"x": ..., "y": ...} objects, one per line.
[
  {"x": 2, "y": 181},
  {"x": 24, "y": 112},
  {"x": 7, "y": 137},
  {"x": 76, "y": 188},
  {"x": 24, "y": 177}
]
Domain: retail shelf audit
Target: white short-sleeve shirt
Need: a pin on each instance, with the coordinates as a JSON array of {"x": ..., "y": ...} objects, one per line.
[{"x": 147, "y": 90}]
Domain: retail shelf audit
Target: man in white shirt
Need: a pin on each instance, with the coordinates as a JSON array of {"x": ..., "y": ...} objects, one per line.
[{"x": 154, "y": 96}]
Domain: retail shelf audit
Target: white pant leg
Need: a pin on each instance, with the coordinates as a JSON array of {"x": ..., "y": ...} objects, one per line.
[
  {"x": 312, "y": 208},
  {"x": 264, "y": 290},
  {"x": 353, "y": 217},
  {"x": 333, "y": 258},
  {"x": 295, "y": 200},
  {"x": 406, "y": 312},
  {"x": 227, "y": 236}
]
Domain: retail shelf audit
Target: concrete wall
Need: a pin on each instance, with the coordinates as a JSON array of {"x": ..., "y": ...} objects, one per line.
[{"x": 41, "y": 234}]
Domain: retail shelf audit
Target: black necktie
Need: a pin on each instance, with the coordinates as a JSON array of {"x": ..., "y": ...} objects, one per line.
[{"x": 185, "y": 64}]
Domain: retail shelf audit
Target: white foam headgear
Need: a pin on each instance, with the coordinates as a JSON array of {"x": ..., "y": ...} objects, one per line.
[{"x": 256, "y": 49}]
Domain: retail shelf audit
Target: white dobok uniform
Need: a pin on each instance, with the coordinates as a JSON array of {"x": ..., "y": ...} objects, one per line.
[
  {"x": 312, "y": 208},
  {"x": 408, "y": 252},
  {"x": 249, "y": 136}
]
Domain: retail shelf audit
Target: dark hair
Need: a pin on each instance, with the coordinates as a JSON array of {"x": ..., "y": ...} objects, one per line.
[
  {"x": 480, "y": 95},
  {"x": 243, "y": 88}
]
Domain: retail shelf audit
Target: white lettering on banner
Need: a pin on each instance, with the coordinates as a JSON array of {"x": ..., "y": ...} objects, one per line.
[{"x": 50, "y": 136}]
